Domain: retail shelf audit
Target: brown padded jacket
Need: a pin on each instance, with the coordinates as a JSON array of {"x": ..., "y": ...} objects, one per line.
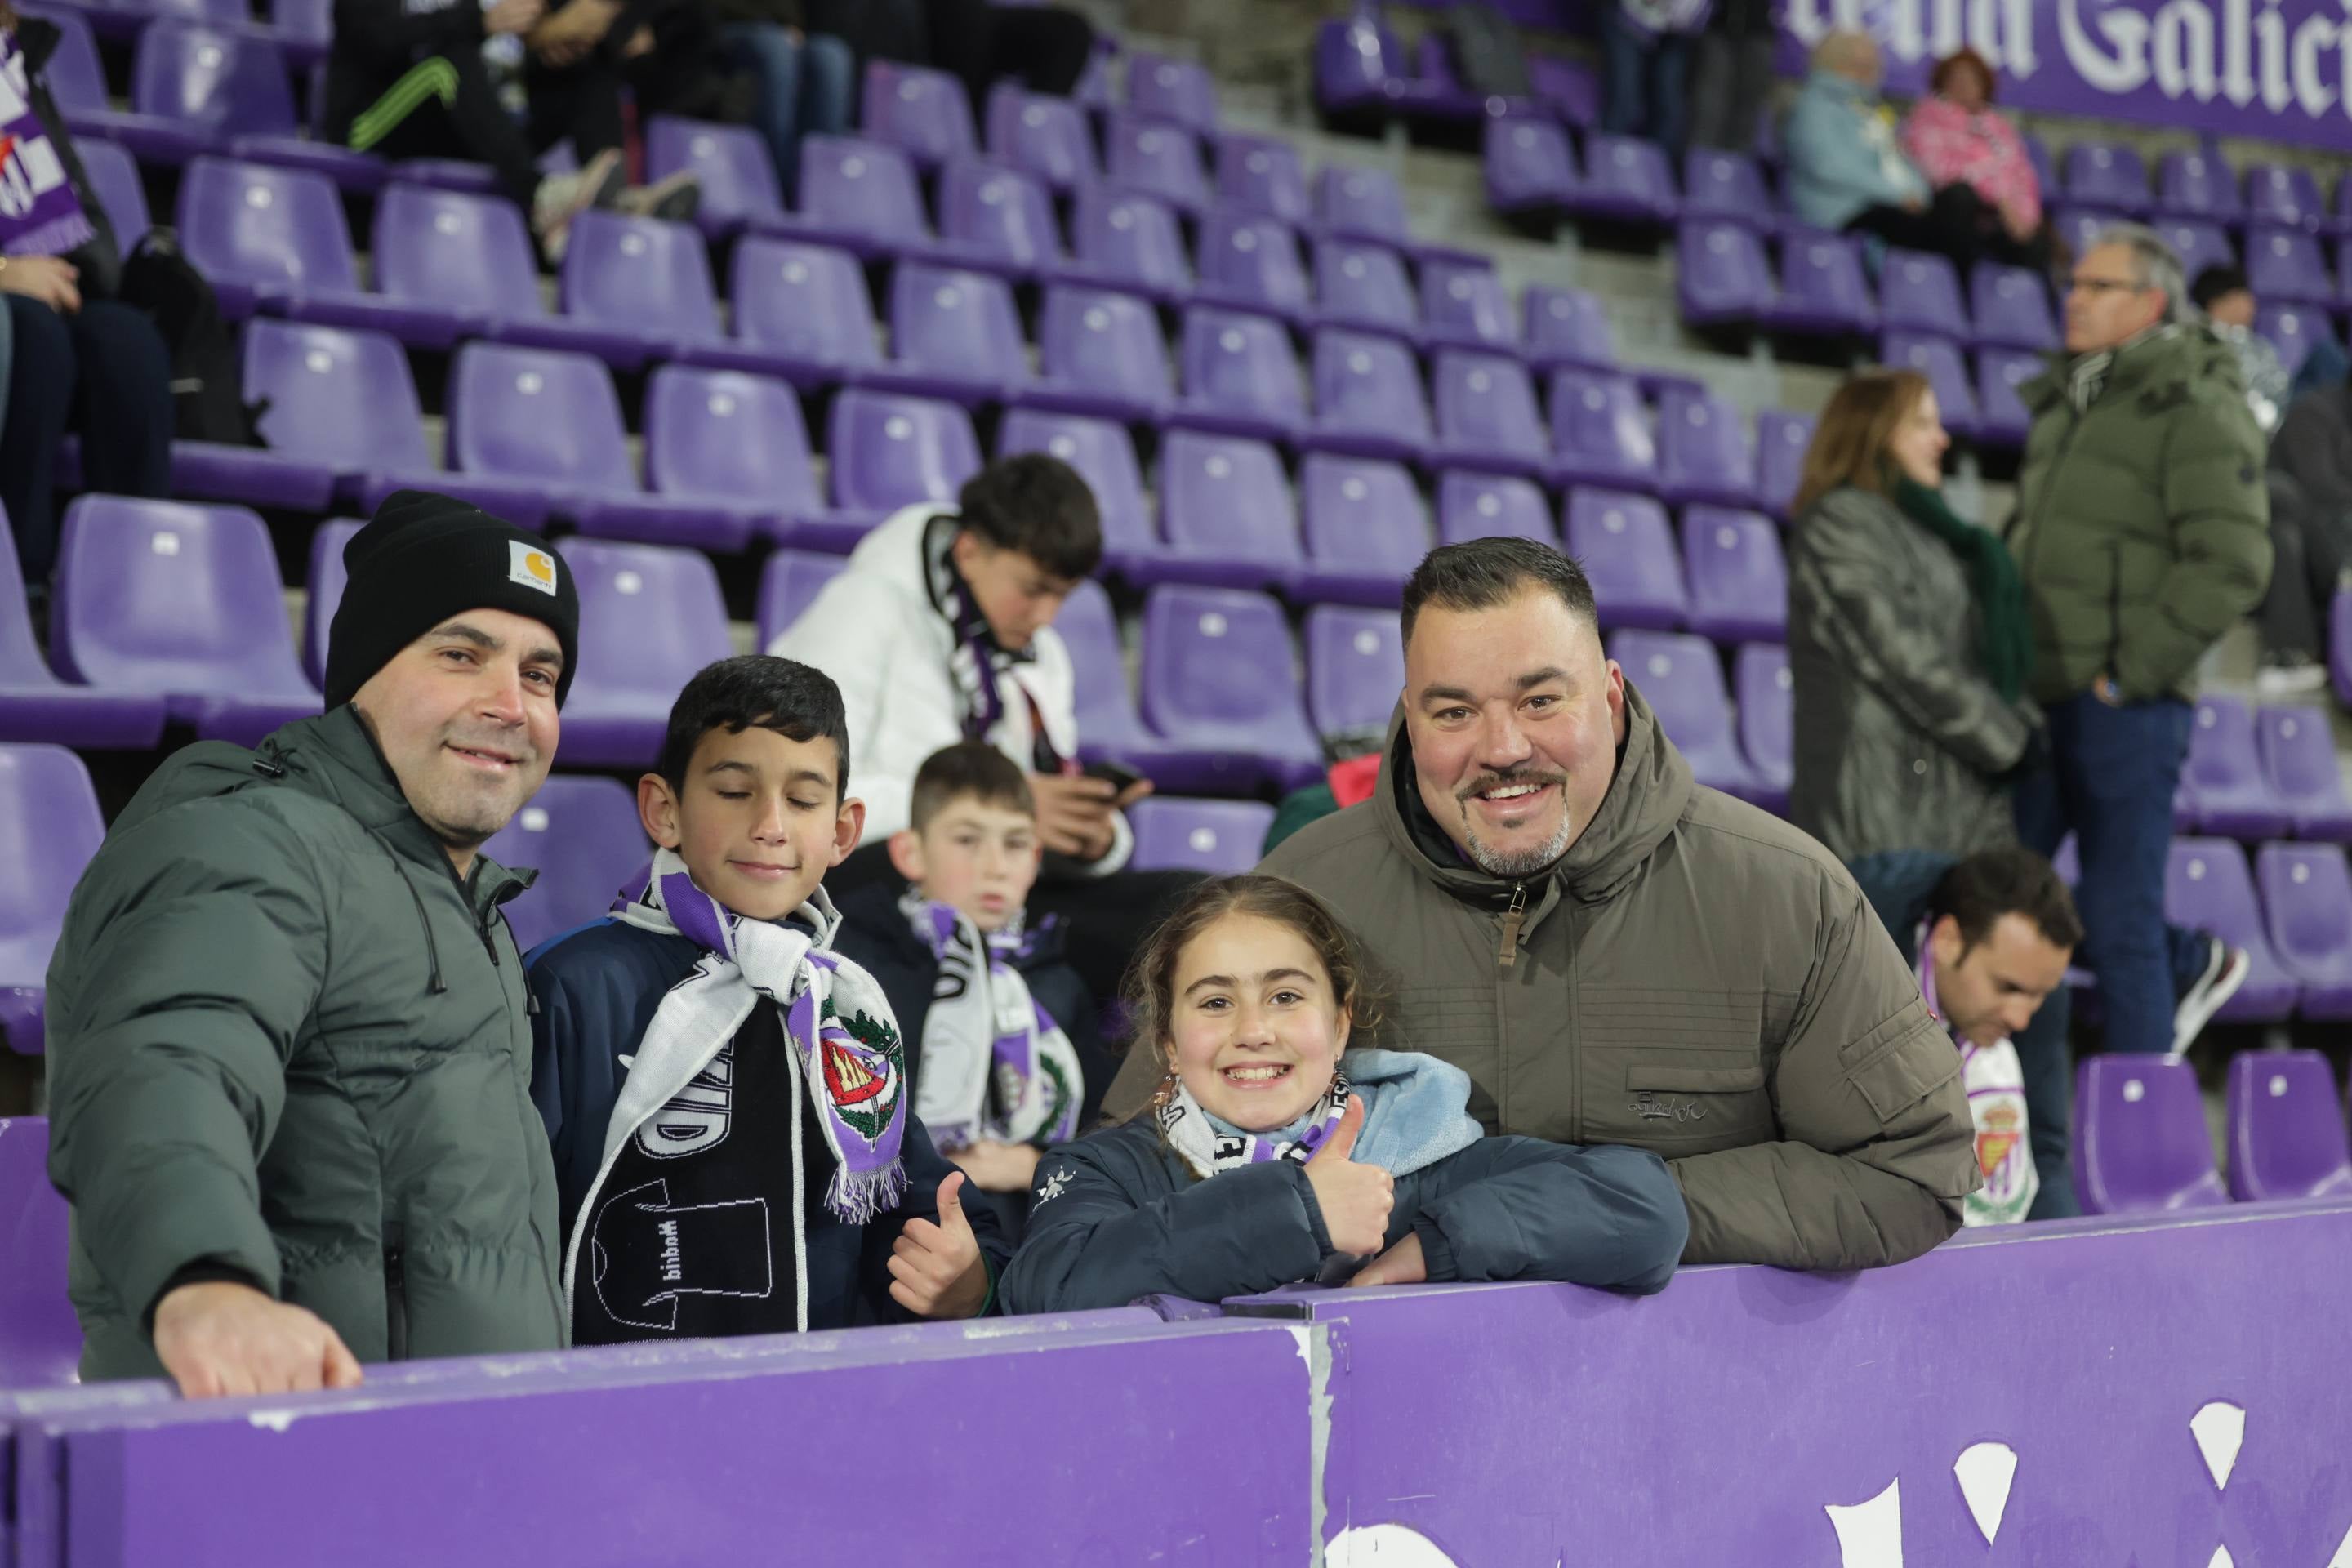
[{"x": 1695, "y": 977}]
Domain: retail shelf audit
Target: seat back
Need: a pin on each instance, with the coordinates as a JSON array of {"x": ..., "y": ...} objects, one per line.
[
  {"x": 1938, "y": 359},
  {"x": 1177, "y": 91},
  {"x": 952, "y": 322},
  {"x": 999, "y": 211},
  {"x": 2285, "y": 264},
  {"x": 1465, "y": 301},
  {"x": 1046, "y": 136},
  {"x": 1486, "y": 401},
  {"x": 2283, "y": 193},
  {"x": 228, "y": 79},
  {"x": 1570, "y": 324},
  {"x": 75, "y": 79},
  {"x": 1241, "y": 362},
  {"x": 455, "y": 251},
  {"x": 336, "y": 396},
  {"x": 1218, "y": 661},
  {"x": 1598, "y": 427},
  {"x": 642, "y": 274},
  {"x": 803, "y": 301},
  {"x": 1782, "y": 439},
  {"x": 260, "y": 226},
  {"x": 50, "y": 828},
  {"x": 1261, "y": 175},
  {"x": 732, "y": 166},
  {"x": 1355, "y": 670},
  {"x": 1528, "y": 159},
  {"x": 1365, "y": 203},
  {"x": 1732, "y": 561},
  {"x": 2299, "y": 760},
  {"x": 1823, "y": 272},
  {"x": 1363, "y": 283},
  {"x": 2199, "y": 243},
  {"x": 2286, "y": 1128},
  {"x": 1480, "y": 506},
  {"x": 326, "y": 592},
  {"x": 114, "y": 179},
  {"x": 1126, "y": 237},
  {"x": 925, "y": 111},
  {"x": 1252, "y": 260},
  {"x": 1104, "y": 455},
  {"x": 1682, "y": 680},
  {"x": 2294, "y": 331},
  {"x": 41, "y": 1339},
  {"x": 888, "y": 450},
  {"x": 1723, "y": 272},
  {"x": 1767, "y": 710},
  {"x": 1362, "y": 515},
  {"x": 1224, "y": 497},
  {"x": 1920, "y": 291},
  {"x": 721, "y": 435},
  {"x": 2307, "y": 896},
  {"x": 1214, "y": 837},
  {"x": 2107, "y": 176},
  {"x": 2206, "y": 885},
  {"x": 1103, "y": 703},
  {"x": 2196, "y": 184},
  {"x": 2012, "y": 306},
  {"x": 1725, "y": 184},
  {"x": 1099, "y": 341},
  {"x": 2221, "y": 755},
  {"x": 859, "y": 187},
  {"x": 1156, "y": 158},
  {"x": 583, "y": 836},
  {"x": 2140, "y": 1142},
  {"x": 545, "y": 414},
  {"x": 789, "y": 584},
  {"x": 650, "y": 618},
  {"x": 1369, "y": 384},
  {"x": 1627, "y": 550}
]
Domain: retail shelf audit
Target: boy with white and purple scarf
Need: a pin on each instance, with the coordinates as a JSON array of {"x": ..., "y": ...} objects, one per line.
[{"x": 736, "y": 1143}]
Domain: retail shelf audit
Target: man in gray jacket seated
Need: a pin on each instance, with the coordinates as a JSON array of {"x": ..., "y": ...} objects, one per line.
[{"x": 1616, "y": 953}]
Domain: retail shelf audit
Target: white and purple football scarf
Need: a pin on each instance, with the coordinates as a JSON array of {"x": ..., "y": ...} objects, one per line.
[
  {"x": 995, "y": 1064},
  {"x": 1212, "y": 1149},
  {"x": 835, "y": 1020},
  {"x": 40, "y": 214}
]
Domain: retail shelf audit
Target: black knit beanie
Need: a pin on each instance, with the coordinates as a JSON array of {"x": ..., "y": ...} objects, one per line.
[{"x": 424, "y": 558}]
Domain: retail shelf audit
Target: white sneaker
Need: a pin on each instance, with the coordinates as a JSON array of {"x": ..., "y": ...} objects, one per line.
[
  {"x": 562, "y": 197},
  {"x": 674, "y": 200},
  {"x": 2274, "y": 680},
  {"x": 2226, "y": 969}
]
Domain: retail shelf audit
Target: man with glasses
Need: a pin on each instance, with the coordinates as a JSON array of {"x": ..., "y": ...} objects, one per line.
[{"x": 2142, "y": 532}]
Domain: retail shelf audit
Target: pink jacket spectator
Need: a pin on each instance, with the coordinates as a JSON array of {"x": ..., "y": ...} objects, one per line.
[{"x": 1953, "y": 146}]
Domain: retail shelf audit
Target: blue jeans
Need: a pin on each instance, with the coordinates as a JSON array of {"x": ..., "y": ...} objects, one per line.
[
  {"x": 804, "y": 87},
  {"x": 1645, "y": 84},
  {"x": 2111, "y": 780}
]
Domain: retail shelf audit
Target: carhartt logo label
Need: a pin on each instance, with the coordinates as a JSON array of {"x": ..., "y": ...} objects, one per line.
[{"x": 530, "y": 566}]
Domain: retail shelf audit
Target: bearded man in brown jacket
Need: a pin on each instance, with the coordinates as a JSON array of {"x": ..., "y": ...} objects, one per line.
[{"x": 1617, "y": 954}]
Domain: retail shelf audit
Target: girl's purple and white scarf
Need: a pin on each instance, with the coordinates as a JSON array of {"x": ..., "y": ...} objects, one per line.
[
  {"x": 40, "y": 214},
  {"x": 1211, "y": 1147},
  {"x": 995, "y": 1065},
  {"x": 837, "y": 1021}
]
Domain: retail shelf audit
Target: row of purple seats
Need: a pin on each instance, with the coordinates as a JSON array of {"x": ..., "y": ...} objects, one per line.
[
  {"x": 1534, "y": 176},
  {"x": 2141, "y": 1141},
  {"x": 2282, "y": 263},
  {"x": 2198, "y": 185},
  {"x": 2292, "y": 912},
  {"x": 1723, "y": 277},
  {"x": 1681, "y": 674},
  {"x": 1363, "y": 75},
  {"x": 2257, "y": 775}
]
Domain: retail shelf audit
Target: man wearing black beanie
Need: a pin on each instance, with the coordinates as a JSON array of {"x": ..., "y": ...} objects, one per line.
[{"x": 289, "y": 1046}]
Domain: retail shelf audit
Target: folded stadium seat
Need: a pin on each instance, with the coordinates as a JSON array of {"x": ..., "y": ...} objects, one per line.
[
  {"x": 2299, "y": 767},
  {"x": 1730, "y": 186},
  {"x": 1600, "y": 432},
  {"x": 583, "y": 836},
  {"x": 41, "y": 1339},
  {"x": 2283, "y": 195},
  {"x": 1530, "y": 170},
  {"x": 1782, "y": 438},
  {"x": 1360, "y": 204},
  {"x": 1251, "y": 262},
  {"x": 114, "y": 180},
  {"x": 1920, "y": 291},
  {"x": 1359, "y": 71},
  {"x": 1721, "y": 277},
  {"x": 332, "y": 400},
  {"x": 2286, "y": 1126},
  {"x": 1159, "y": 87},
  {"x": 1938, "y": 359},
  {"x": 1215, "y": 838},
  {"x": 953, "y": 334},
  {"x": 1355, "y": 671},
  {"x": 2207, "y": 887},
  {"x": 2293, "y": 329},
  {"x": 650, "y": 618},
  {"x": 2285, "y": 264},
  {"x": 76, "y": 79},
  {"x": 1155, "y": 159},
  {"x": 1759, "y": 674},
  {"x": 34, "y": 705},
  {"x": 1627, "y": 547},
  {"x": 726, "y": 441},
  {"x": 884, "y": 450},
  {"x": 1261, "y": 175},
  {"x": 860, "y": 195},
  {"x": 1226, "y": 515},
  {"x": 1683, "y": 680},
  {"x": 1566, "y": 326},
  {"x": 2197, "y": 185},
  {"x": 50, "y": 828},
  {"x": 1000, "y": 219},
  {"x": 196, "y": 87},
  {"x": 273, "y": 240},
  {"x": 2099, "y": 174},
  {"x": 2002, "y": 418},
  {"x": 466, "y": 264},
  {"x": 925, "y": 113},
  {"x": 1486, "y": 416},
  {"x": 1462, "y": 301},
  {"x": 2140, "y": 1138},
  {"x": 1570, "y": 90},
  {"x": 1120, "y": 239},
  {"x": 1823, "y": 292},
  {"x": 732, "y": 165},
  {"x": 789, "y": 584},
  {"x": 1360, "y": 283},
  {"x": 1365, "y": 530},
  {"x": 1219, "y": 682},
  {"x": 1103, "y": 453},
  {"x": 181, "y": 602},
  {"x": 1241, "y": 376},
  {"x": 1739, "y": 583},
  {"x": 1107, "y": 726},
  {"x": 2198, "y": 244},
  {"x": 2012, "y": 307},
  {"x": 1368, "y": 398},
  {"x": 2078, "y": 227},
  {"x": 1046, "y": 137},
  {"x": 2222, "y": 788},
  {"x": 1100, "y": 352},
  {"x": 2307, "y": 908},
  {"x": 325, "y": 593},
  {"x": 643, "y": 285},
  {"x": 1473, "y": 505},
  {"x": 803, "y": 310},
  {"x": 1626, "y": 180},
  {"x": 1705, "y": 455}
]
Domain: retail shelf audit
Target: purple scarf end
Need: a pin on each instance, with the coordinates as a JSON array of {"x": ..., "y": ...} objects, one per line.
[
  {"x": 861, "y": 1197},
  {"x": 66, "y": 232}
]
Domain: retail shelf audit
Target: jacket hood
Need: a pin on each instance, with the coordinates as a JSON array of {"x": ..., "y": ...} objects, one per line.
[
  {"x": 894, "y": 550},
  {"x": 1648, "y": 794}
]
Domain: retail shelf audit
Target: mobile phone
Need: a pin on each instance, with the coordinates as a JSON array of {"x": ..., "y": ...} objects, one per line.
[{"x": 1119, "y": 777}]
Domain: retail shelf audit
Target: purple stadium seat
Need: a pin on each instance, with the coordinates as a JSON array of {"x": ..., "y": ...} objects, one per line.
[
  {"x": 2293, "y": 329},
  {"x": 1464, "y": 301},
  {"x": 114, "y": 177},
  {"x": 2002, "y": 418},
  {"x": 1226, "y": 514},
  {"x": 1570, "y": 90},
  {"x": 183, "y": 603},
  {"x": 1566, "y": 326},
  {"x": 861, "y": 195},
  {"x": 953, "y": 334},
  {"x": 1722, "y": 276},
  {"x": 886, "y": 450},
  {"x": 1355, "y": 671},
  {"x": 1626, "y": 180},
  {"x": 1766, "y": 719},
  {"x": 194, "y": 85},
  {"x": 2197, "y": 185},
  {"x": 1359, "y": 68},
  {"x": 1360, "y": 204},
  {"x": 2078, "y": 227},
  {"x": 466, "y": 261},
  {"x": 2299, "y": 767},
  {"x": 1920, "y": 293},
  {"x": 1365, "y": 530},
  {"x": 1158, "y": 159},
  {"x": 2207, "y": 887},
  {"x": 1483, "y": 506},
  {"x": 650, "y": 618},
  {"x": 999, "y": 219},
  {"x": 1728, "y": 186},
  {"x": 1938, "y": 359},
  {"x": 1683, "y": 680},
  {"x": 731, "y": 443},
  {"x": 40, "y": 1338},
  {"x": 1823, "y": 292},
  {"x": 1240, "y": 375},
  {"x": 1739, "y": 583},
  {"x": 1703, "y": 451},
  {"x": 804, "y": 308},
  {"x": 49, "y": 828},
  {"x": 2285, "y": 264},
  {"x": 1125, "y": 240},
  {"x": 1600, "y": 431},
  {"x": 1444, "y": 96},
  {"x": 1486, "y": 415},
  {"x": 1262, "y": 175},
  {"x": 737, "y": 176},
  {"x": 34, "y": 705},
  {"x": 2288, "y": 197},
  {"x": 2099, "y": 174},
  {"x": 1251, "y": 262},
  {"x": 1360, "y": 283},
  {"x": 1627, "y": 547},
  {"x": 583, "y": 836},
  {"x": 1107, "y": 725},
  {"x": 1218, "y": 680},
  {"x": 1782, "y": 439},
  {"x": 2286, "y": 1125},
  {"x": 1045, "y": 136},
  {"x": 789, "y": 584},
  {"x": 2198, "y": 244},
  {"x": 2308, "y": 900},
  {"x": 2140, "y": 1142},
  {"x": 1100, "y": 352},
  {"x": 2223, "y": 787},
  {"x": 274, "y": 239},
  {"x": 2012, "y": 307},
  {"x": 1104, "y": 455},
  {"x": 1368, "y": 397},
  {"x": 339, "y": 403},
  {"x": 325, "y": 593},
  {"x": 924, "y": 113},
  {"x": 1215, "y": 838},
  {"x": 1530, "y": 168},
  {"x": 642, "y": 283},
  {"x": 1159, "y": 87},
  {"x": 76, "y": 81}
]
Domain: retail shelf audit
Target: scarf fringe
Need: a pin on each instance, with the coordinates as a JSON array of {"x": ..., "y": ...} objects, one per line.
[
  {"x": 61, "y": 235},
  {"x": 861, "y": 1197}
]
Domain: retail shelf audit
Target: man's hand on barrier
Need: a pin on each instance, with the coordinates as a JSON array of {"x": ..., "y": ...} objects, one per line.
[
  {"x": 1399, "y": 1265},
  {"x": 219, "y": 1338},
  {"x": 936, "y": 1271},
  {"x": 1355, "y": 1199}
]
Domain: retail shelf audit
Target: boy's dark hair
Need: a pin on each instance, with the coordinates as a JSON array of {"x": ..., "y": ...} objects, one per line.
[
  {"x": 1480, "y": 573},
  {"x": 1038, "y": 505},
  {"x": 1977, "y": 891},
  {"x": 2215, "y": 282},
  {"x": 759, "y": 690},
  {"x": 965, "y": 771}
]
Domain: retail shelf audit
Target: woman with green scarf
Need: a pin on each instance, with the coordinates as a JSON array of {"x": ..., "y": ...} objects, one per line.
[{"x": 1908, "y": 643}]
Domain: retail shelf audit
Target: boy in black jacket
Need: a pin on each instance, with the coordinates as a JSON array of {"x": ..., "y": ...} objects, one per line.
[
  {"x": 736, "y": 1150},
  {"x": 1002, "y": 1045}
]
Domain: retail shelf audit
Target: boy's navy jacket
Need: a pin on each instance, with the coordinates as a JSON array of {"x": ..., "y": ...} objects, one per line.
[
  {"x": 597, "y": 989},
  {"x": 1119, "y": 1214}
]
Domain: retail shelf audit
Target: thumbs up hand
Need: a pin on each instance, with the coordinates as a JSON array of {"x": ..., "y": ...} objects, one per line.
[
  {"x": 936, "y": 1271},
  {"x": 1355, "y": 1199}
]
